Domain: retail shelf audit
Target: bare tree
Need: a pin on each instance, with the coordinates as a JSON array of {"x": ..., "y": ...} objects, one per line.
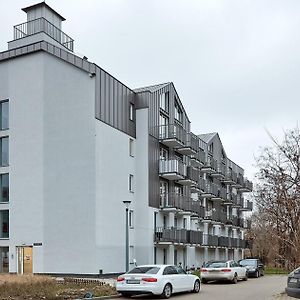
[{"x": 278, "y": 195}]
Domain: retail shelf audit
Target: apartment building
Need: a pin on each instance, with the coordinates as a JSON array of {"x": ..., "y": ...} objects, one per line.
[{"x": 76, "y": 142}]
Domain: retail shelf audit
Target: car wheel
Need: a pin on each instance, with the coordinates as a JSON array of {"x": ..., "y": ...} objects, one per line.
[
  {"x": 167, "y": 292},
  {"x": 203, "y": 280},
  {"x": 196, "y": 287},
  {"x": 256, "y": 274},
  {"x": 235, "y": 279}
]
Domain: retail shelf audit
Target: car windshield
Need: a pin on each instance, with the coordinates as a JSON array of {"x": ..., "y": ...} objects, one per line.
[
  {"x": 144, "y": 270},
  {"x": 216, "y": 264},
  {"x": 248, "y": 262}
]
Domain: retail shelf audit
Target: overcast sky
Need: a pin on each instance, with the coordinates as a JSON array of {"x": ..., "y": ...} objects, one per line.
[{"x": 235, "y": 63}]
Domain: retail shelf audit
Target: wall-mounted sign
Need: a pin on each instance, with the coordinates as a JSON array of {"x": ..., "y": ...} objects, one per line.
[{"x": 37, "y": 244}]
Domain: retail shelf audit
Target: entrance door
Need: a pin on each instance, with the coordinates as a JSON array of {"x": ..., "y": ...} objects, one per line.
[{"x": 25, "y": 260}]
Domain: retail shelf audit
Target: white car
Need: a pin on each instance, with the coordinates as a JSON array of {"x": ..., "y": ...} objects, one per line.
[
  {"x": 161, "y": 280},
  {"x": 223, "y": 270}
]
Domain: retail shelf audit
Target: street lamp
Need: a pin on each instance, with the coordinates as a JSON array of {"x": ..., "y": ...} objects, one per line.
[{"x": 127, "y": 203}]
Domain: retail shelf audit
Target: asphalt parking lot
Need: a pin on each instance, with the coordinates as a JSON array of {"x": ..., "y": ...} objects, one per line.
[{"x": 263, "y": 288}]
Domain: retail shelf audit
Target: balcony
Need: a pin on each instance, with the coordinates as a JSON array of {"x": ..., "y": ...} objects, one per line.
[
  {"x": 247, "y": 186},
  {"x": 170, "y": 235},
  {"x": 195, "y": 237},
  {"x": 239, "y": 181},
  {"x": 210, "y": 240},
  {"x": 42, "y": 25},
  {"x": 211, "y": 216},
  {"x": 230, "y": 178},
  {"x": 181, "y": 204},
  {"x": 246, "y": 206},
  {"x": 219, "y": 172},
  {"x": 190, "y": 146},
  {"x": 172, "y": 135},
  {"x": 223, "y": 241},
  {"x": 172, "y": 169},
  {"x": 231, "y": 199},
  {"x": 210, "y": 190},
  {"x": 198, "y": 159},
  {"x": 209, "y": 166},
  {"x": 191, "y": 178},
  {"x": 219, "y": 194},
  {"x": 244, "y": 223}
]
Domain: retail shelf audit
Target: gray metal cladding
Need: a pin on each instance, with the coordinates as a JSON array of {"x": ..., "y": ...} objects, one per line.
[{"x": 113, "y": 101}]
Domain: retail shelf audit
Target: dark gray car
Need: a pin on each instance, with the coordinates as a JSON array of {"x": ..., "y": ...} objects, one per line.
[
  {"x": 293, "y": 284},
  {"x": 254, "y": 266}
]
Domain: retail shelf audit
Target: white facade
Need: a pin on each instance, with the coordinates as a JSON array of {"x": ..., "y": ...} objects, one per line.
[{"x": 70, "y": 172}]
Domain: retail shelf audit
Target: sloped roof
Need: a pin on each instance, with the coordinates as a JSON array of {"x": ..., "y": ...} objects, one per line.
[
  {"x": 151, "y": 88},
  {"x": 206, "y": 137}
]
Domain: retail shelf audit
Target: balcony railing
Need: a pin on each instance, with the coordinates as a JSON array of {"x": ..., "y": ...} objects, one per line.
[
  {"x": 247, "y": 186},
  {"x": 210, "y": 165},
  {"x": 172, "y": 169},
  {"x": 43, "y": 25},
  {"x": 181, "y": 202},
  {"x": 172, "y": 234},
  {"x": 219, "y": 171},
  {"x": 195, "y": 237},
  {"x": 198, "y": 159},
  {"x": 246, "y": 205},
  {"x": 191, "y": 177},
  {"x": 244, "y": 223},
  {"x": 230, "y": 177},
  {"x": 210, "y": 240},
  {"x": 172, "y": 135}
]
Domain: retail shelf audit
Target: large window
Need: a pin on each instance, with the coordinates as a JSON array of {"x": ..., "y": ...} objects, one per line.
[
  {"x": 178, "y": 112},
  {"x": 4, "y": 115},
  {"x": 4, "y": 151},
  {"x": 4, "y": 224},
  {"x": 164, "y": 101},
  {"x": 4, "y": 188}
]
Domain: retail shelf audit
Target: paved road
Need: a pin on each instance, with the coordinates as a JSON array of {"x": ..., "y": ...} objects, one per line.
[{"x": 264, "y": 288}]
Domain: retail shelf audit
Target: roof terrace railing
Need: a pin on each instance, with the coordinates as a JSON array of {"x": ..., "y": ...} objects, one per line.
[{"x": 43, "y": 25}]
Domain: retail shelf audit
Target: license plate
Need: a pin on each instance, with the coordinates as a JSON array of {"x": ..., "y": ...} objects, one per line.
[
  {"x": 132, "y": 281},
  {"x": 293, "y": 280},
  {"x": 214, "y": 271}
]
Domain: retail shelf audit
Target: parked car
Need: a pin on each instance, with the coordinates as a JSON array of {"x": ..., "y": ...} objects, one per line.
[
  {"x": 161, "y": 280},
  {"x": 293, "y": 284},
  {"x": 254, "y": 267},
  {"x": 223, "y": 270}
]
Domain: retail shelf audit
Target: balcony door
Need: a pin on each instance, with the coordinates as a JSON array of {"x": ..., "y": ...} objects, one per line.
[
  {"x": 164, "y": 187},
  {"x": 25, "y": 260}
]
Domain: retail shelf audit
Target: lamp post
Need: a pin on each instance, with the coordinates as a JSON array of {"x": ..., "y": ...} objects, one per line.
[{"x": 127, "y": 203}]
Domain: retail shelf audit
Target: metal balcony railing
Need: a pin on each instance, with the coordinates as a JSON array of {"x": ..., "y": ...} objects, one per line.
[
  {"x": 43, "y": 25},
  {"x": 172, "y": 131},
  {"x": 199, "y": 157},
  {"x": 192, "y": 141},
  {"x": 195, "y": 237},
  {"x": 171, "y": 234},
  {"x": 210, "y": 240},
  {"x": 223, "y": 241},
  {"x": 230, "y": 177},
  {"x": 172, "y": 166},
  {"x": 192, "y": 174},
  {"x": 210, "y": 163},
  {"x": 248, "y": 185}
]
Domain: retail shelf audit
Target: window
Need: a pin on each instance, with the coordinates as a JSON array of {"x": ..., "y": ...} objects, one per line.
[
  {"x": 131, "y": 183},
  {"x": 178, "y": 190},
  {"x": 184, "y": 223},
  {"x": 169, "y": 270},
  {"x": 211, "y": 147},
  {"x": 163, "y": 126},
  {"x": 165, "y": 256},
  {"x": 131, "y": 147},
  {"x": 4, "y": 151},
  {"x": 164, "y": 101},
  {"x": 131, "y": 218},
  {"x": 163, "y": 186},
  {"x": 178, "y": 112},
  {"x": 4, "y": 224},
  {"x": 4, "y": 114},
  {"x": 4, "y": 188},
  {"x": 131, "y": 110},
  {"x": 163, "y": 153}
]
